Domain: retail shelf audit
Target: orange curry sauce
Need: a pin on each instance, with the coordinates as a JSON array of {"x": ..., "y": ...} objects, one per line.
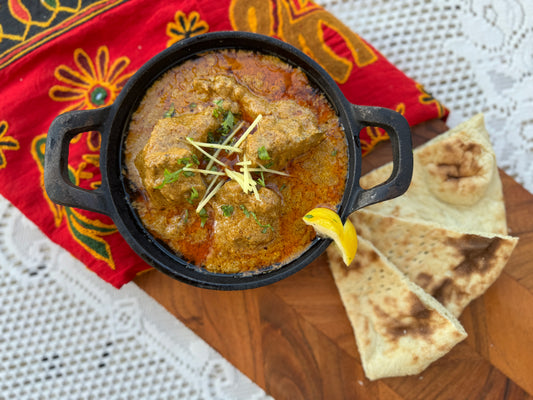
[{"x": 317, "y": 177}]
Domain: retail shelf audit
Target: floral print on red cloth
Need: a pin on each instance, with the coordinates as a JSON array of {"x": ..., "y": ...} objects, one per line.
[
  {"x": 92, "y": 84},
  {"x": 185, "y": 26},
  {"x": 6, "y": 143},
  {"x": 427, "y": 98}
]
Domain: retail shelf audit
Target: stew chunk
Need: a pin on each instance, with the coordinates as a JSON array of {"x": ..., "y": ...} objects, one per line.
[
  {"x": 168, "y": 150},
  {"x": 287, "y": 132},
  {"x": 244, "y": 223},
  {"x": 287, "y": 129}
]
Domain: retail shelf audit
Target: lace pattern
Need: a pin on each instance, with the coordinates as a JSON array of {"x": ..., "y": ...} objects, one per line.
[
  {"x": 474, "y": 56},
  {"x": 66, "y": 334}
]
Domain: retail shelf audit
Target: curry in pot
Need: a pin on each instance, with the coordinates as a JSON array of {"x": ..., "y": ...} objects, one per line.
[{"x": 225, "y": 155}]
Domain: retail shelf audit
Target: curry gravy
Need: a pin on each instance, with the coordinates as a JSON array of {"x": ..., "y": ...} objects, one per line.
[{"x": 254, "y": 234}]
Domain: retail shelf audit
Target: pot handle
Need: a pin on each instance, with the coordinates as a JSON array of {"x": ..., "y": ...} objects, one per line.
[
  {"x": 57, "y": 183},
  {"x": 402, "y": 153}
]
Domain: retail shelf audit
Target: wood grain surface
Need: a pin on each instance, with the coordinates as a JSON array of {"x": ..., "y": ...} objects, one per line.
[{"x": 294, "y": 340}]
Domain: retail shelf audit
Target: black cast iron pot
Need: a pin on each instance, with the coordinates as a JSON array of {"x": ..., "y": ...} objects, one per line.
[{"x": 111, "y": 198}]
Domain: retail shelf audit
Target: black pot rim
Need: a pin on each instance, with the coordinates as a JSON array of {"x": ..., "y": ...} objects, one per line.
[{"x": 113, "y": 122}]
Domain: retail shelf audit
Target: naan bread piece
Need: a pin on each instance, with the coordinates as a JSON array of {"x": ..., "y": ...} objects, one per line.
[
  {"x": 399, "y": 328},
  {"x": 455, "y": 182},
  {"x": 454, "y": 267}
]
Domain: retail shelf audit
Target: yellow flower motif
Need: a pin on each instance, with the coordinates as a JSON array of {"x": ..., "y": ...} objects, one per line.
[
  {"x": 375, "y": 136},
  {"x": 401, "y": 108},
  {"x": 6, "y": 143},
  {"x": 93, "y": 84},
  {"x": 427, "y": 99},
  {"x": 185, "y": 26}
]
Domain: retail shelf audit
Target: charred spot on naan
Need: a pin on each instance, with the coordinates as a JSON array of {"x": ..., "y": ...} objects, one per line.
[
  {"x": 458, "y": 171},
  {"x": 450, "y": 295},
  {"x": 479, "y": 253},
  {"x": 415, "y": 321}
]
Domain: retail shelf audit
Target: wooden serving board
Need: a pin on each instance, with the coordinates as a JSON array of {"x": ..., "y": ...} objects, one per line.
[{"x": 294, "y": 340}]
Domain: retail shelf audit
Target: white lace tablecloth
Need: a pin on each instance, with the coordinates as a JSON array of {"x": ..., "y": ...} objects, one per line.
[
  {"x": 473, "y": 55},
  {"x": 65, "y": 334}
]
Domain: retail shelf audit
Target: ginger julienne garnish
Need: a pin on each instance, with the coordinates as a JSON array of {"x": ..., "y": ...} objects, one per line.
[{"x": 243, "y": 176}]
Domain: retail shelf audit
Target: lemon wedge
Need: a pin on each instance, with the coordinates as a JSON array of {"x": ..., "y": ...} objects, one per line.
[{"x": 327, "y": 223}]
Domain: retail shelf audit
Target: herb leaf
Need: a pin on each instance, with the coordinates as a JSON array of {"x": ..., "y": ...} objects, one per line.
[
  {"x": 245, "y": 211},
  {"x": 227, "y": 210},
  {"x": 194, "y": 195},
  {"x": 203, "y": 217},
  {"x": 248, "y": 213},
  {"x": 169, "y": 177},
  {"x": 261, "y": 180},
  {"x": 228, "y": 123},
  {"x": 218, "y": 110},
  {"x": 170, "y": 112},
  {"x": 262, "y": 153}
]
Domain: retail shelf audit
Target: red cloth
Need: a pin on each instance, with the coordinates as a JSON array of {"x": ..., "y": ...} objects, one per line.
[{"x": 54, "y": 58}]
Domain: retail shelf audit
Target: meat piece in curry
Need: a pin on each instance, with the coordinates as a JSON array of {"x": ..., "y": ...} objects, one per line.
[
  {"x": 244, "y": 224},
  {"x": 289, "y": 131},
  {"x": 287, "y": 128},
  {"x": 167, "y": 150},
  {"x": 226, "y": 153}
]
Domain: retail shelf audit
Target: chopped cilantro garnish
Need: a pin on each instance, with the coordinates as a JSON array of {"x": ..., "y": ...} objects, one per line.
[
  {"x": 333, "y": 153},
  {"x": 211, "y": 137},
  {"x": 218, "y": 110},
  {"x": 261, "y": 180},
  {"x": 203, "y": 217},
  {"x": 245, "y": 210},
  {"x": 170, "y": 112},
  {"x": 228, "y": 123},
  {"x": 262, "y": 153},
  {"x": 186, "y": 218},
  {"x": 169, "y": 177},
  {"x": 228, "y": 119},
  {"x": 193, "y": 195},
  {"x": 247, "y": 213},
  {"x": 227, "y": 210}
]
